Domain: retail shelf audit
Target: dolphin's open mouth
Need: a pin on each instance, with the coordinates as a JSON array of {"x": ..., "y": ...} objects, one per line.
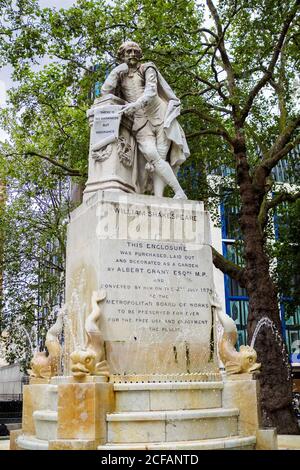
[
  {"x": 255, "y": 367},
  {"x": 79, "y": 369}
]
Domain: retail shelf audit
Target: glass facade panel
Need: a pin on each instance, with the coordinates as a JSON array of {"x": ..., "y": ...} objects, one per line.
[
  {"x": 230, "y": 222},
  {"x": 292, "y": 333},
  {"x": 236, "y": 297},
  {"x": 285, "y": 170},
  {"x": 239, "y": 313}
]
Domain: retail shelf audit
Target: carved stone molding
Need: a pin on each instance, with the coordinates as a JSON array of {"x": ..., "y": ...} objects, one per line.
[
  {"x": 102, "y": 154},
  {"x": 125, "y": 152}
]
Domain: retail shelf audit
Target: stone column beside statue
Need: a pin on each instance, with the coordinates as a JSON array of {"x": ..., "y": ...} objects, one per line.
[{"x": 112, "y": 152}]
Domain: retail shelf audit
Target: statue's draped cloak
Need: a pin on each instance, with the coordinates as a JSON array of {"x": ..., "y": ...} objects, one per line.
[{"x": 179, "y": 150}]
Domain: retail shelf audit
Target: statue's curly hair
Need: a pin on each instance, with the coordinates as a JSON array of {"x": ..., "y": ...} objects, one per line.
[{"x": 125, "y": 46}]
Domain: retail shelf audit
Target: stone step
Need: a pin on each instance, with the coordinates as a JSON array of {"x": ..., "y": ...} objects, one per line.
[
  {"x": 233, "y": 443},
  {"x": 45, "y": 424},
  {"x": 13, "y": 426},
  {"x": 169, "y": 426},
  {"x": 52, "y": 397},
  {"x": 167, "y": 385},
  {"x": 32, "y": 443},
  {"x": 167, "y": 396}
]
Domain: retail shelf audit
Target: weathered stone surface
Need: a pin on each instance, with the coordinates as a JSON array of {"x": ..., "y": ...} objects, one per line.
[
  {"x": 145, "y": 431},
  {"x": 233, "y": 443},
  {"x": 288, "y": 442},
  {"x": 45, "y": 424},
  {"x": 152, "y": 256},
  {"x": 13, "y": 435},
  {"x": 73, "y": 444},
  {"x": 82, "y": 409},
  {"x": 27, "y": 442},
  {"x": 185, "y": 399},
  {"x": 35, "y": 397},
  {"x": 168, "y": 396},
  {"x": 266, "y": 439},
  {"x": 159, "y": 426},
  {"x": 242, "y": 392},
  {"x": 39, "y": 380},
  {"x": 206, "y": 428}
]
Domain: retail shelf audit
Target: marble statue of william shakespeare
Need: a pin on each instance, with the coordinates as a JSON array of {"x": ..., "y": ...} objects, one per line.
[{"x": 154, "y": 108}]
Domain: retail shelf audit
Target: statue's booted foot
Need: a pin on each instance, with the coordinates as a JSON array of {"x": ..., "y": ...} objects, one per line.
[{"x": 180, "y": 195}]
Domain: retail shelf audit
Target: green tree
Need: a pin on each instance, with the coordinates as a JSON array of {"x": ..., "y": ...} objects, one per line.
[
  {"x": 255, "y": 46},
  {"x": 286, "y": 251},
  {"x": 33, "y": 224},
  {"x": 236, "y": 78}
]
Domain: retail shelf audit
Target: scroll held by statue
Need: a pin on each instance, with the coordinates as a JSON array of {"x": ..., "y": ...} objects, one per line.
[{"x": 106, "y": 126}]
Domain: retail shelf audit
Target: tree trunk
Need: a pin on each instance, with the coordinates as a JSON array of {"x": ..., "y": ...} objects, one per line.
[{"x": 275, "y": 375}]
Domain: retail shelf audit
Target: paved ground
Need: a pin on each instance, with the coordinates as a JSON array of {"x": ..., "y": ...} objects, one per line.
[
  {"x": 286, "y": 442},
  {"x": 4, "y": 444}
]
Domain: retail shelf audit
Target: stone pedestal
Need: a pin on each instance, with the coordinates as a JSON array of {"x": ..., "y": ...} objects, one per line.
[
  {"x": 153, "y": 258},
  {"x": 113, "y": 167},
  {"x": 65, "y": 415},
  {"x": 13, "y": 436},
  {"x": 82, "y": 409},
  {"x": 36, "y": 397},
  {"x": 242, "y": 391}
]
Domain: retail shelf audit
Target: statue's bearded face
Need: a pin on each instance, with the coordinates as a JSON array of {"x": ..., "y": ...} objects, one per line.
[{"x": 131, "y": 56}]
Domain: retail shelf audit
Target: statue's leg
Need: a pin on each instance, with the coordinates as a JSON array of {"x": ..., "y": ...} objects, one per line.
[
  {"x": 158, "y": 185},
  {"x": 162, "y": 145},
  {"x": 148, "y": 147}
]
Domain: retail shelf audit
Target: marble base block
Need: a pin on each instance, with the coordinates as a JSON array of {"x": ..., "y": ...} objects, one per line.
[
  {"x": 153, "y": 258},
  {"x": 82, "y": 410}
]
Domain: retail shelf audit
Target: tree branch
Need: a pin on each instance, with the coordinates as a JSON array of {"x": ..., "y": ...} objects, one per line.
[
  {"x": 215, "y": 72},
  {"x": 269, "y": 71},
  {"x": 227, "y": 267},
  {"x": 267, "y": 205},
  {"x": 282, "y": 197},
  {"x": 206, "y": 30},
  {"x": 282, "y": 146},
  {"x": 220, "y": 129},
  {"x": 221, "y": 46},
  {"x": 217, "y": 132},
  {"x": 194, "y": 93},
  {"x": 218, "y": 87},
  {"x": 219, "y": 108},
  {"x": 68, "y": 170}
]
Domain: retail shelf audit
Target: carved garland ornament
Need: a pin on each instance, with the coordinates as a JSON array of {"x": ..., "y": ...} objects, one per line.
[
  {"x": 102, "y": 154},
  {"x": 124, "y": 150}
]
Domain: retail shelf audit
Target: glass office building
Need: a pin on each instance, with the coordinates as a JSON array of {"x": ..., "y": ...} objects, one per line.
[{"x": 236, "y": 297}]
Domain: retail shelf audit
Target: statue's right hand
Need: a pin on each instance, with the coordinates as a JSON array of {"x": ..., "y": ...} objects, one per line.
[{"x": 121, "y": 68}]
